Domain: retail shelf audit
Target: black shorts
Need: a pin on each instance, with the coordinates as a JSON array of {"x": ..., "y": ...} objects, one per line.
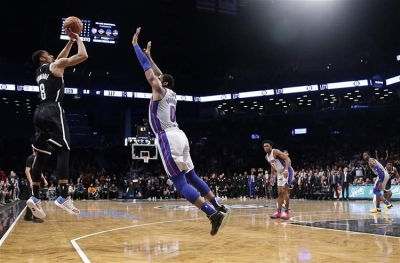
[
  {"x": 51, "y": 128},
  {"x": 388, "y": 184}
]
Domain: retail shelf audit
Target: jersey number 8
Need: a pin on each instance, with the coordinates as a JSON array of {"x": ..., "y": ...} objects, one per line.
[{"x": 42, "y": 91}]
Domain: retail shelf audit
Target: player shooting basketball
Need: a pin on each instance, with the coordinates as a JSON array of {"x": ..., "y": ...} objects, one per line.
[{"x": 52, "y": 130}]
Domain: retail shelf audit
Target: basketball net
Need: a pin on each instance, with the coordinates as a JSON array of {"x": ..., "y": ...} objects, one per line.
[{"x": 146, "y": 159}]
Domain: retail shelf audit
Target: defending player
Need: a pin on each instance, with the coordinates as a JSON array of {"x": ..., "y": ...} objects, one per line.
[
  {"x": 172, "y": 142},
  {"x": 380, "y": 183},
  {"x": 290, "y": 185}
]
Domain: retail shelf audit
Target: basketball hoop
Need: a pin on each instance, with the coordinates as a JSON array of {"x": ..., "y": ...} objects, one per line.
[{"x": 146, "y": 159}]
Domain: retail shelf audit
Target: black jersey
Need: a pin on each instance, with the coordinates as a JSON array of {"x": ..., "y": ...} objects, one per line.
[
  {"x": 390, "y": 172},
  {"x": 30, "y": 161},
  {"x": 51, "y": 88}
]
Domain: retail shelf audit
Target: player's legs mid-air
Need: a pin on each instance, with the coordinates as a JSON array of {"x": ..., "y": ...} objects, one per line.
[{"x": 174, "y": 150}]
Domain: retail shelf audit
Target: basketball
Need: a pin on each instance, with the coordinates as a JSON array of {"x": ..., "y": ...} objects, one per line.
[{"x": 74, "y": 23}]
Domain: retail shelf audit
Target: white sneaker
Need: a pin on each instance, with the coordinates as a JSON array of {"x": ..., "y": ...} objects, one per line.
[
  {"x": 34, "y": 204},
  {"x": 67, "y": 205}
]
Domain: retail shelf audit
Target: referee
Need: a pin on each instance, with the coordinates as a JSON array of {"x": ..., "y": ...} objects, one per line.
[{"x": 29, "y": 163}]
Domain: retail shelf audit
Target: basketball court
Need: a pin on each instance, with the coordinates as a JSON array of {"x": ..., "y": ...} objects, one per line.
[{"x": 174, "y": 231}]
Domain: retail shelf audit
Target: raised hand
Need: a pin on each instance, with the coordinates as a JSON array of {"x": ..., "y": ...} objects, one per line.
[
  {"x": 136, "y": 36},
  {"x": 73, "y": 36},
  {"x": 147, "y": 50}
]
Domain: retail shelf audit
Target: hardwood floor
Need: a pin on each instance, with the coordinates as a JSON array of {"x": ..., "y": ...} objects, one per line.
[{"x": 173, "y": 231}]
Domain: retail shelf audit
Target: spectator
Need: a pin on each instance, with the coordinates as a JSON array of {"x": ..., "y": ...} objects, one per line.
[
  {"x": 91, "y": 191},
  {"x": 113, "y": 192}
]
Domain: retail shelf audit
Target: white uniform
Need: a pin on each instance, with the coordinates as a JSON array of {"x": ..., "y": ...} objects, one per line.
[
  {"x": 172, "y": 142},
  {"x": 381, "y": 172},
  {"x": 279, "y": 166}
]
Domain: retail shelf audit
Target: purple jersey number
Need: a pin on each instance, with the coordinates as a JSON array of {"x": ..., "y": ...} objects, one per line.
[{"x": 172, "y": 115}]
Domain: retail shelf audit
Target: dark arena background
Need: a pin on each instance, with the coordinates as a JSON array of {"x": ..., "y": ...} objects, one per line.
[{"x": 319, "y": 78}]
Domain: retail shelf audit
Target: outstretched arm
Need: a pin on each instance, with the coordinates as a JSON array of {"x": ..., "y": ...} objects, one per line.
[
  {"x": 154, "y": 67},
  {"x": 65, "y": 52},
  {"x": 59, "y": 65},
  {"x": 145, "y": 62}
]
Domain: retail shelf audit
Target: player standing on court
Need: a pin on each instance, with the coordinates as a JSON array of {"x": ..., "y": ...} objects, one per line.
[
  {"x": 280, "y": 164},
  {"x": 393, "y": 175},
  {"x": 28, "y": 167},
  {"x": 380, "y": 182},
  {"x": 172, "y": 142},
  {"x": 52, "y": 130},
  {"x": 289, "y": 183}
]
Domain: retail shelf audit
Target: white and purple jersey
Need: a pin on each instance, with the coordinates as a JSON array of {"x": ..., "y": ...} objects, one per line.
[
  {"x": 378, "y": 170},
  {"x": 162, "y": 113},
  {"x": 172, "y": 143},
  {"x": 279, "y": 165}
]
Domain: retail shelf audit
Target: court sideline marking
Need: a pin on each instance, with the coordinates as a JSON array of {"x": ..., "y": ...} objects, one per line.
[{"x": 11, "y": 227}]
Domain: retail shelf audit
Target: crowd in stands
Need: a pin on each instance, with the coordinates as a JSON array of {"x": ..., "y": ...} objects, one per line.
[{"x": 225, "y": 156}]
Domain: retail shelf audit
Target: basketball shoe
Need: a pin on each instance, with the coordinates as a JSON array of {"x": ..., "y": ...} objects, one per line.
[
  {"x": 67, "y": 205},
  {"x": 285, "y": 215},
  {"x": 35, "y": 205},
  {"x": 276, "y": 215},
  {"x": 375, "y": 210},
  {"x": 387, "y": 207},
  {"x": 217, "y": 219},
  {"x": 227, "y": 211},
  {"x": 37, "y": 220}
]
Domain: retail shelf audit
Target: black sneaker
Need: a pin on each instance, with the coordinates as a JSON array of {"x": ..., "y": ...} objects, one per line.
[
  {"x": 216, "y": 220},
  {"x": 227, "y": 211},
  {"x": 27, "y": 218},
  {"x": 37, "y": 220},
  {"x": 223, "y": 209}
]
